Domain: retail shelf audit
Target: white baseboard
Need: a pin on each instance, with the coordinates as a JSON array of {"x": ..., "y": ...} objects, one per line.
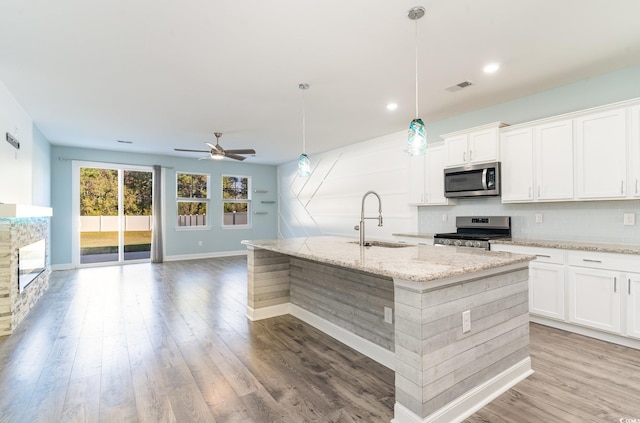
[
  {"x": 381, "y": 355},
  {"x": 205, "y": 255},
  {"x": 472, "y": 401},
  {"x": 268, "y": 312},
  {"x": 592, "y": 333}
]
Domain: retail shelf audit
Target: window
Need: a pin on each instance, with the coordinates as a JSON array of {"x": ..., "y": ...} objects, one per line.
[
  {"x": 236, "y": 201},
  {"x": 192, "y": 192}
]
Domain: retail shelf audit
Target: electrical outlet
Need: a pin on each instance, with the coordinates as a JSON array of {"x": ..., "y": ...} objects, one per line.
[
  {"x": 445, "y": 217},
  {"x": 466, "y": 321},
  {"x": 388, "y": 315},
  {"x": 538, "y": 217},
  {"x": 199, "y": 243},
  {"x": 629, "y": 219}
]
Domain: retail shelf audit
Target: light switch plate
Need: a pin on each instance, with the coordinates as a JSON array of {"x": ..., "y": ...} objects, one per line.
[
  {"x": 466, "y": 321},
  {"x": 629, "y": 219},
  {"x": 388, "y": 315},
  {"x": 538, "y": 217}
]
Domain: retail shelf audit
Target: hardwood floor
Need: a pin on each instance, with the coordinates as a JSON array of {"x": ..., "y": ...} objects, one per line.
[{"x": 170, "y": 343}]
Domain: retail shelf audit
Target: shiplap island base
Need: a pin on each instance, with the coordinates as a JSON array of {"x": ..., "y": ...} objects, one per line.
[{"x": 441, "y": 373}]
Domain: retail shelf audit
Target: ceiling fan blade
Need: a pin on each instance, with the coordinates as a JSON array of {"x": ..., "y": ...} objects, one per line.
[
  {"x": 213, "y": 147},
  {"x": 191, "y": 151},
  {"x": 242, "y": 151},
  {"x": 233, "y": 156}
]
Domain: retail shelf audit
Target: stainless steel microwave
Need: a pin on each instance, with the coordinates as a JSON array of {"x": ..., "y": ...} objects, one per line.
[{"x": 472, "y": 180}]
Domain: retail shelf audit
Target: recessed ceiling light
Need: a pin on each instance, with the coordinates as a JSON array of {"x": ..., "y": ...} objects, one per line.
[
  {"x": 491, "y": 67},
  {"x": 392, "y": 106}
]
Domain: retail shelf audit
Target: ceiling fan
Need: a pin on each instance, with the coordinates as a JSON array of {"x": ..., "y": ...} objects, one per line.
[{"x": 219, "y": 153}]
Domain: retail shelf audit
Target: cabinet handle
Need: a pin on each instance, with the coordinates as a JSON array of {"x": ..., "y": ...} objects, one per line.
[
  {"x": 470, "y": 155},
  {"x": 629, "y": 286},
  {"x": 615, "y": 284},
  {"x": 592, "y": 261},
  {"x": 636, "y": 186},
  {"x": 464, "y": 156},
  {"x": 543, "y": 255},
  {"x": 622, "y": 187},
  {"x": 529, "y": 191}
]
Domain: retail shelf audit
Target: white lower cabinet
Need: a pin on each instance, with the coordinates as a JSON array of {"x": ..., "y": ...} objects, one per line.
[
  {"x": 633, "y": 305},
  {"x": 546, "y": 290},
  {"x": 595, "y": 298}
]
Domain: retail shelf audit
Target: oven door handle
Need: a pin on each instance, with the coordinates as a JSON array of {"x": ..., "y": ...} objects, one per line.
[{"x": 484, "y": 178}]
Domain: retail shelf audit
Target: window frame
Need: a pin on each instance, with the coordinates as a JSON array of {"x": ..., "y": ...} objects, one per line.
[
  {"x": 206, "y": 200},
  {"x": 246, "y": 201}
]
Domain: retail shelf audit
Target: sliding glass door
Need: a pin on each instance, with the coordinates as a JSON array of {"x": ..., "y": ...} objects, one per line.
[{"x": 114, "y": 213}]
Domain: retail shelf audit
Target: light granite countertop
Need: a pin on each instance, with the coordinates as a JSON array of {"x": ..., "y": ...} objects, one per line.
[
  {"x": 602, "y": 247},
  {"x": 420, "y": 263}
]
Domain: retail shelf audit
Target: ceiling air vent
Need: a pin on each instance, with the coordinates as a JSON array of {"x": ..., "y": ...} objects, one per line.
[{"x": 458, "y": 87}]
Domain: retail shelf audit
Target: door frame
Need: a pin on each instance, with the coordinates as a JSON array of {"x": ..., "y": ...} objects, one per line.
[{"x": 75, "y": 209}]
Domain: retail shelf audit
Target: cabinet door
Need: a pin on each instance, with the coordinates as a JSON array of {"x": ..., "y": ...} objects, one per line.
[
  {"x": 456, "y": 150},
  {"x": 483, "y": 146},
  {"x": 435, "y": 175},
  {"x": 601, "y": 155},
  {"x": 633, "y": 304},
  {"x": 416, "y": 179},
  {"x": 595, "y": 298},
  {"x": 634, "y": 181},
  {"x": 516, "y": 152},
  {"x": 546, "y": 290},
  {"x": 554, "y": 161}
]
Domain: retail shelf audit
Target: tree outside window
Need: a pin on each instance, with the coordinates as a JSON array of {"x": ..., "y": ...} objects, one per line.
[
  {"x": 192, "y": 199},
  {"x": 236, "y": 200}
]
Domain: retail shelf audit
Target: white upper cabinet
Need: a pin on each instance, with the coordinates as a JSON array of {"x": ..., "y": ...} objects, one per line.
[
  {"x": 416, "y": 179},
  {"x": 537, "y": 162},
  {"x": 516, "y": 151},
  {"x": 554, "y": 161},
  {"x": 435, "y": 160},
  {"x": 426, "y": 173},
  {"x": 634, "y": 175},
  {"x": 601, "y": 155},
  {"x": 475, "y": 145}
]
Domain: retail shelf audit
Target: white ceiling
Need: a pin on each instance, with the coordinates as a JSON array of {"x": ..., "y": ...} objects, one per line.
[{"x": 167, "y": 74}]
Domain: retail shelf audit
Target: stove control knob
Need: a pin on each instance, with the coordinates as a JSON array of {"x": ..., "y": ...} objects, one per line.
[
  {"x": 457, "y": 243},
  {"x": 446, "y": 242},
  {"x": 468, "y": 244},
  {"x": 477, "y": 244}
]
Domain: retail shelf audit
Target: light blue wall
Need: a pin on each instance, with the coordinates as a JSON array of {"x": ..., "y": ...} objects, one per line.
[
  {"x": 41, "y": 169},
  {"x": 616, "y": 86},
  {"x": 588, "y": 221},
  {"x": 178, "y": 243}
]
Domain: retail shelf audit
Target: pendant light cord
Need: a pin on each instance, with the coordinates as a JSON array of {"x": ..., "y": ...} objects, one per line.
[
  {"x": 304, "y": 126},
  {"x": 416, "y": 20}
]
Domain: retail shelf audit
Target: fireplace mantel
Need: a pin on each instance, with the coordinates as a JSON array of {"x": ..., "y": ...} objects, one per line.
[{"x": 17, "y": 211}]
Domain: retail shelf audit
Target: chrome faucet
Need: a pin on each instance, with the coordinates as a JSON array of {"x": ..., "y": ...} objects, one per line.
[{"x": 362, "y": 217}]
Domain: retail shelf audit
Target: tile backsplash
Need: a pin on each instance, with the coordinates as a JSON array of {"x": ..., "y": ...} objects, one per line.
[{"x": 596, "y": 221}]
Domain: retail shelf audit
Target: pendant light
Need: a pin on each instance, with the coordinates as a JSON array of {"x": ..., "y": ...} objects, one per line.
[
  {"x": 417, "y": 140},
  {"x": 304, "y": 166}
]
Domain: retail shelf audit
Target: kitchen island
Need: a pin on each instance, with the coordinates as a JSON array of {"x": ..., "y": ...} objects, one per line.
[{"x": 404, "y": 305}]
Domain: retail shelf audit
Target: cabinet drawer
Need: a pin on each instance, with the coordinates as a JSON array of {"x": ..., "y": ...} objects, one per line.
[
  {"x": 544, "y": 255},
  {"x": 610, "y": 261}
]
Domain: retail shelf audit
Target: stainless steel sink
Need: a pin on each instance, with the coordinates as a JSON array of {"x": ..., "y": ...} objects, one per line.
[{"x": 383, "y": 244}]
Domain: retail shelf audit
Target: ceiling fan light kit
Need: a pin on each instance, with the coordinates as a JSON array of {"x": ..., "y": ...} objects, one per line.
[
  {"x": 304, "y": 165},
  {"x": 417, "y": 139},
  {"x": 216, "y": 152}
]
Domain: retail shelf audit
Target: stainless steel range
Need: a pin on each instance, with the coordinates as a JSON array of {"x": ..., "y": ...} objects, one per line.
[{"x": 476, "y": 231}]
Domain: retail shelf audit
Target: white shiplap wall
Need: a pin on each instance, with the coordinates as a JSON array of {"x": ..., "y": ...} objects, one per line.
[{"x": 329, "y": 201}]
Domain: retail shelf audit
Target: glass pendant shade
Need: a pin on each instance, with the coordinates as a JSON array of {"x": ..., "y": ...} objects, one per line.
[
  {"x": 304, "y": 166},
  {"x": 417, "y": 141}
]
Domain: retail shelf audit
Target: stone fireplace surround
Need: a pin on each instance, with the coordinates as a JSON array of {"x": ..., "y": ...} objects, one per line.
[{"x": 16, "y": 232}]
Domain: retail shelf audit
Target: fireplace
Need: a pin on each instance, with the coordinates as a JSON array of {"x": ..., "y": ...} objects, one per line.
[{"x": 31, "y": 262}]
